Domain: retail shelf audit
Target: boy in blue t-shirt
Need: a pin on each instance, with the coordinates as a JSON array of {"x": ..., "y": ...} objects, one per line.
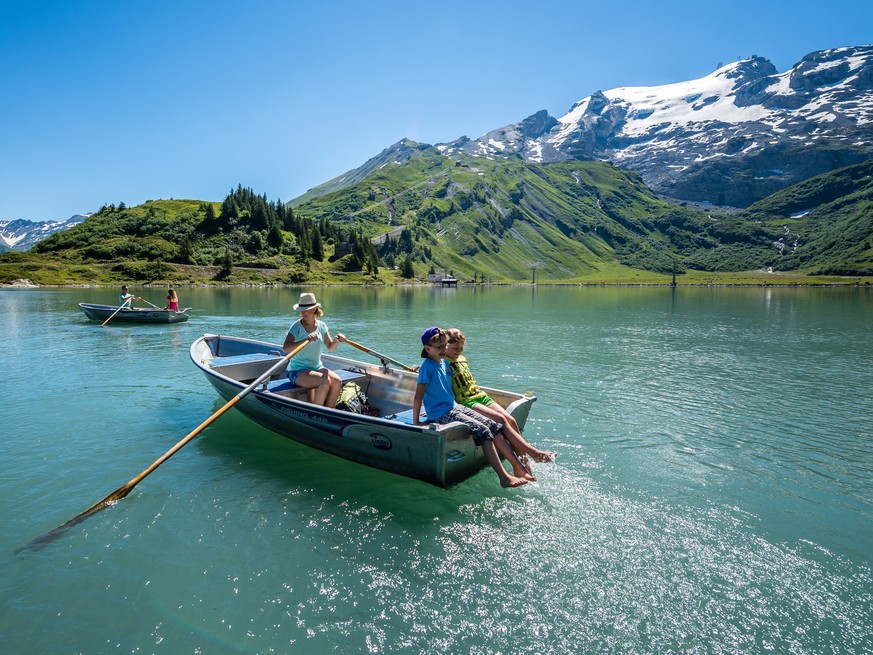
[{"x": 435, "y": 390}]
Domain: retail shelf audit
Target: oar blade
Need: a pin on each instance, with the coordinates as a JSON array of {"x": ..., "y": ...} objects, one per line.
[
  {"x": 45, "y": 539},
  {"x": 124, "y": 490}
]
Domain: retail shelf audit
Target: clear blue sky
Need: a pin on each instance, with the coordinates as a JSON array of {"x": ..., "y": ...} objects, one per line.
[{"x": 108, "y": 101}]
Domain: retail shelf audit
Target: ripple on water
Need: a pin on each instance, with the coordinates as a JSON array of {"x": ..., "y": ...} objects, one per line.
[
  {"x": 712, "y": 493},
  {"x": 561, "y": 566}
]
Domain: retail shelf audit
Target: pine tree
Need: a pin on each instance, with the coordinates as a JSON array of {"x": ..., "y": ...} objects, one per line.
[
  {"x": 275, "y": 238},
  {"x": 406, "y": 269},
  {"x": 305, "y": 247},
  {"x": 290, "y": 222},
  {"x": 226, "y": 264},
  {"x": 317, "y": 246},
  {"x": 255, "y": 243},
  {"x": 186, "y": 250}
]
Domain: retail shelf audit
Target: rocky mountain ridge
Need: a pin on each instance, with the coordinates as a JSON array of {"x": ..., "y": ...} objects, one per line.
[
  {"x": 730, "y": 138},
  {"x": 22, "y": 234}
]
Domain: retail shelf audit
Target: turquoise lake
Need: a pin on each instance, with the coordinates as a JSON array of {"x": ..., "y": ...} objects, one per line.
[{"x": 713, "y": 491}]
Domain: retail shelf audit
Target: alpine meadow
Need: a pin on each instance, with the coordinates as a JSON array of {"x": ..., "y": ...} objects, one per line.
[{"x": 482, "y": 220}]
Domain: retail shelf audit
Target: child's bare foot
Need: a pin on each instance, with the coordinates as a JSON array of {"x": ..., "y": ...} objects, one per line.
[
  {"x": 512, "y": 481},
  {"x": 543, "y": 456},
  {"x": 522, "y": 472}
]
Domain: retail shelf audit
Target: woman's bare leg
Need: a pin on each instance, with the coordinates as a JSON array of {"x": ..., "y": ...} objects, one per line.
[
  {"x": 335, "y": 387},
  {"x": 317, "y": 380}
]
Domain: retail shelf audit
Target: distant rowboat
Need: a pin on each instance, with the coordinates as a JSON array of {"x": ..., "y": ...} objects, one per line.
[{"x": 133, "y": 315}]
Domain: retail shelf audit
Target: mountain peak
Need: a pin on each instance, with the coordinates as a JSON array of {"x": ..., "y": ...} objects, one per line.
[
  {"x": 731, "y": 137},
  {"x": 535, "y": 125},
  {"x": 745, "y": 115},
  {"x": 22, "y": 234},
  {"x": 753, "y": 68},
  {"x": 510, "y": 140}
]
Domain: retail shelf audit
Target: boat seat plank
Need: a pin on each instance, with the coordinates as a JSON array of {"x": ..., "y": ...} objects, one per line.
[
  {"x": 346, "y": 375},
  {"x": 246, "y": 366},
  {"x": 406, "y": 417},
  {"x": 240, "y": 359},
  {"x": 350, "y": 375}
]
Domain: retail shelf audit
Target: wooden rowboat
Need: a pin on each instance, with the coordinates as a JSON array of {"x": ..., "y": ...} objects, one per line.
[
  {"x": 441, "y": 455},
  {"x": 133, "y": 315}
]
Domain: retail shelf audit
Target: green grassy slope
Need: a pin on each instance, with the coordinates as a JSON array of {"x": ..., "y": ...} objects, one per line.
[
  {"x": 501, "y": 221},
  {"x": 825, "y": 222}
]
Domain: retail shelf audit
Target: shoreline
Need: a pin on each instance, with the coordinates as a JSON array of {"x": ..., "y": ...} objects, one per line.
[{"x": 855, "y": 283}]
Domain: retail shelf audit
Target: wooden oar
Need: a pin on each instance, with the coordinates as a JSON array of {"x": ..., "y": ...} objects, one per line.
[
  {"x": 122, "y": 491},
  {"x": 181, "y": 311},
  {"x": 120, "y": 307},
  {"x": 384, "y": 358}
]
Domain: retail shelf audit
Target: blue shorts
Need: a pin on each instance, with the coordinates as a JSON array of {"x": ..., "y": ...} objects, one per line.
[{"x": 292, "y": 375}]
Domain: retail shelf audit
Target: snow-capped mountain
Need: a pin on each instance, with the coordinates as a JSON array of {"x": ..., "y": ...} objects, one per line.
[
  {"x": 732, "y": 137},
  {"x": 21, "y": 234}
]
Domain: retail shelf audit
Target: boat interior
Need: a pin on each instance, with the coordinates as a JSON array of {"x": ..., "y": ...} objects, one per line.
[{"x": 389, "y": 390}]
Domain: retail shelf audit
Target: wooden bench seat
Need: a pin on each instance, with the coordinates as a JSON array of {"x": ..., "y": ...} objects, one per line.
[
  {"x": 247, "y": 366},
  {"x": 406, "y": 417},
  {"x": 246, "y": 357},
  {"x": 284, "y": 384}
]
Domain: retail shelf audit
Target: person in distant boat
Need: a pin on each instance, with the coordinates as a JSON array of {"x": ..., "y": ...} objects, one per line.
[
  {"x": 306, "y": 368},
  {"x": 468, "y": 393},
  {"x": 434, "y": 389},
  {"x": 172, "y": 300},
  {"x": 126, "y": 298}
]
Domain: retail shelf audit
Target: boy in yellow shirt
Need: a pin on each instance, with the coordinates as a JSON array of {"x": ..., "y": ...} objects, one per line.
[{"x": 468, "y": 394}]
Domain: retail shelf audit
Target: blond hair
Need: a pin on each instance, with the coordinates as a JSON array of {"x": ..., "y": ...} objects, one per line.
[{"x": 455, "y": 336}]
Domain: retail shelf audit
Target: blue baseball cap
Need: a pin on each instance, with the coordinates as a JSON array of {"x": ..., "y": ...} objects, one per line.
[{"x": 426, "y": 336}]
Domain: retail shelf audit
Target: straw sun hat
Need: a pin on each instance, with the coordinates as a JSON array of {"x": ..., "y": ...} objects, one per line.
[{"x": 307, "y": 301}]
